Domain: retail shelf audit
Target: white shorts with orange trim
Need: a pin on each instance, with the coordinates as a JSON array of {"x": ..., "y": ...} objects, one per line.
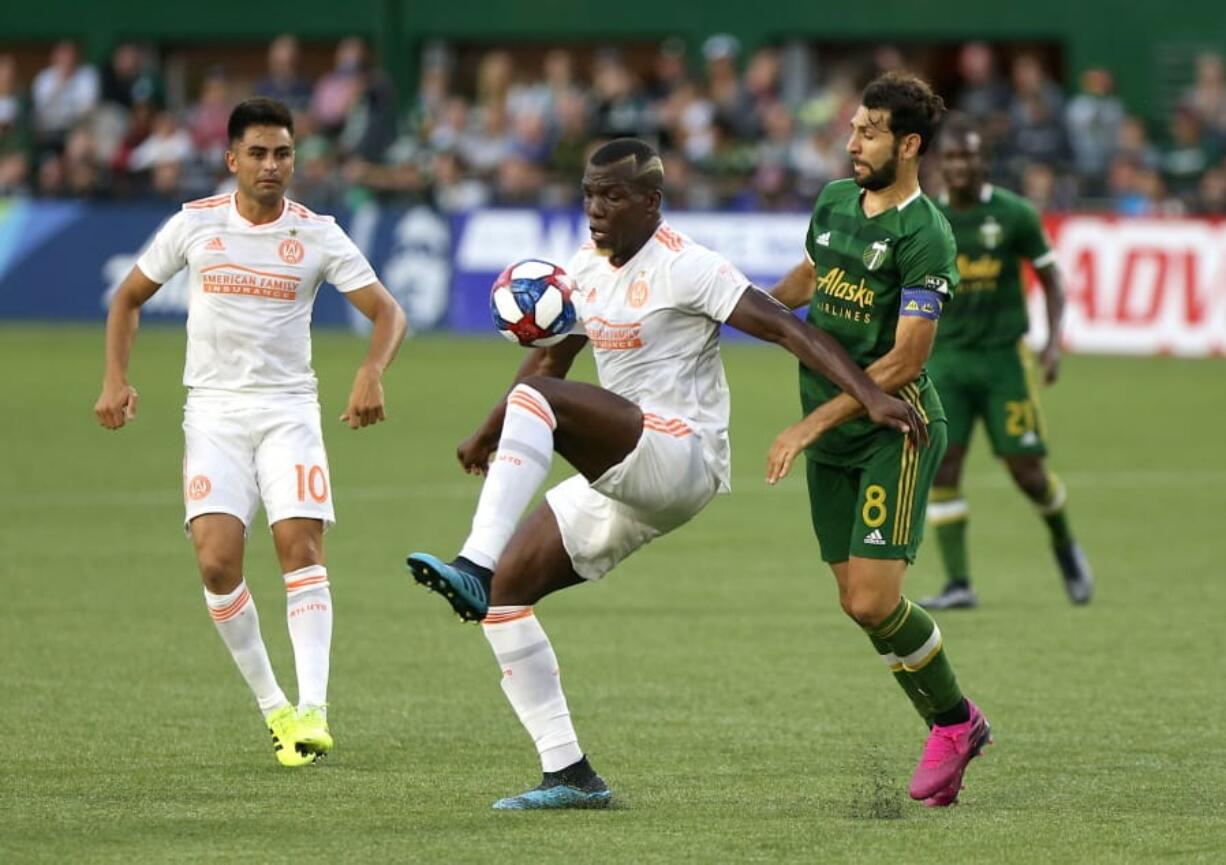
[
  {"x": 238, "y": 455},
  {"x": 660, "y": 485}
]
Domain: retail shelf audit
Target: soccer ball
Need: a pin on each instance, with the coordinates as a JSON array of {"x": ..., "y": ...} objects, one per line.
[{"x": 531, "y": 304}]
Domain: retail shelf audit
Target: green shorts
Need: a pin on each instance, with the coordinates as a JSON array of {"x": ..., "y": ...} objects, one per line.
[
  {"x": 998, "y": 385},
  {"x": 875, "y": 508}
]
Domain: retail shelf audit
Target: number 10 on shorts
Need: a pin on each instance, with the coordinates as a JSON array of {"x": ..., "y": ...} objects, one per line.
[{"x": 312, "y": 480}]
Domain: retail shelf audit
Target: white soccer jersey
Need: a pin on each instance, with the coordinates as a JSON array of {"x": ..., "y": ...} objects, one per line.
[
  {"x": 654, "y": 328},
  {"x": 251, "y": 290}
]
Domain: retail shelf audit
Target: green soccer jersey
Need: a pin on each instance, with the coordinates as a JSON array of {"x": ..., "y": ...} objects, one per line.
[
  {"x": 993, "y": 237},
  {"x": 863, "y": 265}
]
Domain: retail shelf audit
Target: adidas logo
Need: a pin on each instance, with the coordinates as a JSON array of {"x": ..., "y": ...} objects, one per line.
[
  {"x": 874, "y": 538},
  {"x": 215, "y": 245},
  {"x": 823, "y": 239}
]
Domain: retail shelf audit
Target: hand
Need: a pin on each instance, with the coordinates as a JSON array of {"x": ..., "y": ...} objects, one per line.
[
  {"x": 365, "y": 400},
  {"x": 898, "y": 414},
  {"x": 475, "y": 451},
  {"x": 1049, "y": 360},
  {"x": 116, "y": 405},
  {"x": 789, "y": 443}
]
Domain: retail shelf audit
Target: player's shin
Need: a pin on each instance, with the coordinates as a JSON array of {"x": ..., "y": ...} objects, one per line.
[
  {"x": 531, "y": 682},
  {"x": 239, "y": 626},
  {"x": 308, "y": 603},
  {"x": 910, "y": 687},
  {"x": 914, "y": 637},
  {"x": 525, "y": 452},
  {"x": 1051, "y": 507}
]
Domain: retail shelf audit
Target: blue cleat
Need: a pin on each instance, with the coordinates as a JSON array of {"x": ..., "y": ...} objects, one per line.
[
  {"x": 553, "y": 794},
  {"x": 465, "y": 586}
]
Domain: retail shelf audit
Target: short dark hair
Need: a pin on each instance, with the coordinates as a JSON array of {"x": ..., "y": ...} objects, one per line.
[
  {"x": 914, "y": 108},
  {"x": 258, "y": 112},
  {"x": 648, "y": 167},
  {"x": 958, "y": 127}
]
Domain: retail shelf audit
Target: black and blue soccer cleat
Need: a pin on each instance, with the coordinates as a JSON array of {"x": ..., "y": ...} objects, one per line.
[{"x": 464, "y": 585}]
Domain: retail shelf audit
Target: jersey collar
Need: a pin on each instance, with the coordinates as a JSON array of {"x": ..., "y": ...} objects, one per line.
[{"x": 241, "y": 220}]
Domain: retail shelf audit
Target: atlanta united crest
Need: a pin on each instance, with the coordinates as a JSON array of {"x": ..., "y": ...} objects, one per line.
[{"x": 874, "y": 256}]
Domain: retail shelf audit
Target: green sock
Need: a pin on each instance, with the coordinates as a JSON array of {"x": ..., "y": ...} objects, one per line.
[
  {"x": 921, "y": 702},
  {"x": 947, "y": 513},
  {"x": 1051, "y": 508},
  {"x": 914, "y": 637}
]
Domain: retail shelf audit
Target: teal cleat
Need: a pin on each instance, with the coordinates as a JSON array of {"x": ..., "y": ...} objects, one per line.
[
  {"x": 464, "y": 585},
  {"x": 553, "y": 794}
]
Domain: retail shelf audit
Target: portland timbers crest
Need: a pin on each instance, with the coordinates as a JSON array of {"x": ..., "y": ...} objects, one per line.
[
  {"x": 875, "y": 254},
  {"x": 989, "y": 233}
]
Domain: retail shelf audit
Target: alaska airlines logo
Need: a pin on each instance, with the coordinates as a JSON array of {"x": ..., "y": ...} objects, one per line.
[
  {"x": 834, "y": 284},
  {"x": 983, "y": 267}
]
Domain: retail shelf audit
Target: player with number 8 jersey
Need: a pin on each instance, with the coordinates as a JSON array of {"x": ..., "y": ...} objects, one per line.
[{"x": 252, "y": 433}]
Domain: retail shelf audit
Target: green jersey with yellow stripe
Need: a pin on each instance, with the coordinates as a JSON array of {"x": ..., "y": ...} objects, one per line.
[
  {"x": 994, "y": 236},
  {"x": 864, "y": 266}
]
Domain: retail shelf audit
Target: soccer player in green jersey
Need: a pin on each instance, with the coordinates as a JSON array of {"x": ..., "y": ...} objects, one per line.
[
  {"x": 879, "y": 268},
  {"x": 983, "y": 369}
]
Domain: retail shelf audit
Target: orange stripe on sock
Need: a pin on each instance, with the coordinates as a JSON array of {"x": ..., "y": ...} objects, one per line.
[
  {"x": 532, "y": 406},
  {"x": 502, "y": 618},
  {"x": 306, "y": 581},
  {"x": 224, "y": 614},
  {"x": 527, "y": 397}
]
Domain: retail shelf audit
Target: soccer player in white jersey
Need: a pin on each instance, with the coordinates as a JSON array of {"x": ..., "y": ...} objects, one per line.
[
  {"x": 251, "y": 425},
  {"x": 650, "y": 444}
]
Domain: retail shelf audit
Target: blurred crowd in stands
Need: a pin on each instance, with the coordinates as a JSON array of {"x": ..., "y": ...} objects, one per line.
[{"x": 738, "y": 130}]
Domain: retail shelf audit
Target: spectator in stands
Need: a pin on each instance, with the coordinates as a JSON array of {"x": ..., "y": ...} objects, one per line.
[
  {"x": 734, "y": 107},
  {"x": 317, "y": 179},
  {"x": 570, "y": 143},
  {"x": 668, "y": 72},
  {"x": 14, "y": 137},
  {"x": 369, "y": 127},
  {"x": 1211, "y": 196},
  {"x": 83, "y": 174},
  {"x": 1133, "y": 142},
  {"x": 485, "y": 147},
  {"x": 63, "y": 93},
  {"x": 518, "y": 182},
  {"x": 542, "y": 97},
  {"x": 1189, "y": 155},
  {"x": 1036, "y": 115},
  {"x": 453, "y": 188},
  {"x": 1207, "y": 96},
  {"x": 336, "y": 93},
  {"x": 283, "y": 81},
  {"x": 619, "y": 108},
  {"x": 981, "y": 93},
  {"x": 161, "y": 156},
  {"x": 1094, "y": 117},
  {"x": 130, "y": 78},
  {"x": 207, "y": 121}
]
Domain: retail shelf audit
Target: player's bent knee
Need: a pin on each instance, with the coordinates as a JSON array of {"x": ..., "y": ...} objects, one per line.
[
  {"x": 867, "y": 608},
  {"x": 1029, "y": 475},
  {"x": 220, "y": 574}
]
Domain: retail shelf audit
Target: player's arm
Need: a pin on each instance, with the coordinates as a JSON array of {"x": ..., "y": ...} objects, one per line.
[
  {"x": 797, "y": 287},
  {"x": 365, "y": 405},
  {"x": 913, "y": 339},
  {"x": 1053, "y": 296},
  {"x": 759, "y": 314},
  {"x": 117, "y": 403},
  {"x": 554, "y": 361}
]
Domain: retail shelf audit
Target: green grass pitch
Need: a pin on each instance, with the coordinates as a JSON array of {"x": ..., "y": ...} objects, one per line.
[{"x": 738, "y": 716}]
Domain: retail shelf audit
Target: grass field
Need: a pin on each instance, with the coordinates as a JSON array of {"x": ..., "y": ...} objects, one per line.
[{"x": 735, "y": 712}]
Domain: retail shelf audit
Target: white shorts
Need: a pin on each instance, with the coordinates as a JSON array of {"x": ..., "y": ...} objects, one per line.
[
  {"x": 238, "y": 455},
  {"x": 663, "y": 483}
]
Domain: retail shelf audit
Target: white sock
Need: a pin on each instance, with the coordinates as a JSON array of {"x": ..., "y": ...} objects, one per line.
[
  {"x": 525, "y": 452},
  {"x": 531, "y": 682},
  {"x": 239, "y": 625},
  {"x": 308, "y": 607}
]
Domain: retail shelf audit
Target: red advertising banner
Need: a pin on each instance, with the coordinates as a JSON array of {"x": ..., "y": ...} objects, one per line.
[{"x": 1140, "y": 286}]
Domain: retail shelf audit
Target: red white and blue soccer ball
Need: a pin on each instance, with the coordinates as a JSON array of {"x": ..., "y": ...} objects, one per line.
[{"x": 531, "y": 303}]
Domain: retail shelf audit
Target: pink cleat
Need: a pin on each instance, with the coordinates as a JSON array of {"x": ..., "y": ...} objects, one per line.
[{"x": 946, "y": 754}]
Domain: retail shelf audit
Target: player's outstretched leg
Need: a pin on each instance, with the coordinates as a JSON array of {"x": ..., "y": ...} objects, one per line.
[{"x": 525, "y": 453}]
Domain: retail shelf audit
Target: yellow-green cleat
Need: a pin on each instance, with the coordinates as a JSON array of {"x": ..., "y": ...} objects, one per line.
[
  {"x": 283, "y": 727},
  {"x": 312, "y": 732}
]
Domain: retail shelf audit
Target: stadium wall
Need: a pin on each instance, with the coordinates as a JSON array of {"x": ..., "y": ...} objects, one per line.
[
  {"x": 1147, "y": 44},
  {"x": 1136, "y": 286}
]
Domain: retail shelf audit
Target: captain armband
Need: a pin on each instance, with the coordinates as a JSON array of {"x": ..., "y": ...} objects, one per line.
[{"x": 921, "y": 303}]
